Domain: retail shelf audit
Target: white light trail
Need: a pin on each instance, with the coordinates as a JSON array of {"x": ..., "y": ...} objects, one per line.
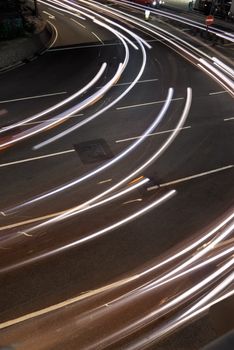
[
  {"x": 176, "y": 323},
  {"x": 217, "y": 73},
  {"x": 106, "y": 165},
  {"x": 139, "y": 169},
  {"x": 163, "y": 310},
  {"x": 140, "y": 23},
  {"x": 223, "y": 66},
  {"x": 60, "y": 104},
  {"x": 187, "y": 21},
  {"x": 84, "y": 208},
  {"x": 211, "y": 245},
  {"x": 211, "y": 294},
  {"x": 64, "y": 115},
  {"x": 74, "y": 211},
  {"x": 92, "y": 236},
  {"x": 87, "y": 120},
  {"x": 196, "y": 267}
]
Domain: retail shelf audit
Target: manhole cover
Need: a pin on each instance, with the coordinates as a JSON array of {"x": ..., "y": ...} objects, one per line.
[{"x": 93, "y": 151}]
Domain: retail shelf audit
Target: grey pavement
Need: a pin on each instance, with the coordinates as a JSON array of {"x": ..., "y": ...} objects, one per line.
[{"x": 16, "y": 51}]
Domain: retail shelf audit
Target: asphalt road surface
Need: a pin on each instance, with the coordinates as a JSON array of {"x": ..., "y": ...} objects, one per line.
[{"x": 186, "y": 190}]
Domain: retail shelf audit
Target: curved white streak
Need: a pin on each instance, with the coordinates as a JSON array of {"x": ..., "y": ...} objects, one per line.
[
  {"x": 141, "y": 23},
  {"x": 64, "y": 115},
  {"x": 91, "y": 236},
  {"x": 196, "y": 256},
  {"x": 149, "y": 24},
  {"x": 56, "y": 34},
  {"x": 223, "y": 66},
  {"x": 122, "y": 35},
  {"x": 186, "y": 21},
  {"x": 101, "y": 111},
  {"x": 106, "y": 165},
  {"x": 191, "y": 246},
  {"x": 181, "y": 298},
  {"x": 172, "y": 274},
  {"x": 60, "y": 104},
  {"x": 122, "y": 222},
  {"x": 210, "y": 295},
  {"x": 218, "y": 73},
  {"x": 194, "y": 268},
  {"x": 132, "y": 19},
  {"x": 73, "y": 211},
  {"x": 211, "y": 74},
  {"x": 177, "y": 322},
  {"x": 48, "y": 3},
  {"x": 76, "y": 210},
  {"x": 71, "y": 6},
  {"x": 142, "y": 167},
  {"x": 169, "y": 279}
]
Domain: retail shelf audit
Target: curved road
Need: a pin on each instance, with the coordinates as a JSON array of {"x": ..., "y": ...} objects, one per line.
[{"x": 82, "y": 263}]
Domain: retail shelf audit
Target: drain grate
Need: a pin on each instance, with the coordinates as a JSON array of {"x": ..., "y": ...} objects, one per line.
[{"x": 93, "y": 151}]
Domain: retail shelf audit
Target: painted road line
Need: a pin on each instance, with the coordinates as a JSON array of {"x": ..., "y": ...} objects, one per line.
[
  {"x": 133, "y": 201},
  {"x": 153, "y": 134},
  {"x": 77, "y": 23},
  {"x": 56, "y": 35},
  {"x": 190, "y": 177},
  {"x": 36, "y": 158},
  {"x": 218, "y": 92},
  {"x": 49, "y": 14},
  {"x": 65, "y": 303},
  {"x": 52, "y": 215},
  {"x": 29, "y": 221},
  {"x": 41, "y": 121},
  {"x": 226, "y": 119},
  {"x": 139, "y": 81},
  {"x": 99, "y": 39},
  {"x": 83, "y": 47},
  {"x": 149, "y": 103},
  {"x": 59, "y": 13},
  {"x": 128, "y": 83},
  {"x": 153, "y": 40},
  {"x": 104, "y": 181},
  {"x": 33, "y": 97}
]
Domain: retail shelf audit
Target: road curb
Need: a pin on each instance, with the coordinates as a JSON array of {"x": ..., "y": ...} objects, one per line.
[{"x": 38, "y": 44}]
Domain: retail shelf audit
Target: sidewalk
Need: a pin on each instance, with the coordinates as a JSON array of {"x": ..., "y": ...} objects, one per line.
[{"x": 17, "y": 51}]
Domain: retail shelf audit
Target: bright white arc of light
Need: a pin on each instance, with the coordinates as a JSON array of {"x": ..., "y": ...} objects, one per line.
[
  {"x": 174, "y": 274},
  {"x": 196, "y": 267},
  {"x": 180, "y": 19},
  {"x": 214, "y": 70},
  {"x": 81, "y": 105},
  {"x": 60, "y": 104},
  {"x": 141, "y": 24},
  {"x": 138, "y": 170},
  {"x": 133, "y": 327},
  {"x": 101, "y": 111},
  {"x": 93, "y": 235},
  {"x": 211, "y": 294},
  {"x": 176, "y": 323},
  {"x": 223, "y": 66},
  {"x": 64, "y": 115},
  {"x": 196, "y": 256},
  {"x": 106, "y": 165},
  {"x": 107, "y": 20},
  {"x": 72, "y": 212}
]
